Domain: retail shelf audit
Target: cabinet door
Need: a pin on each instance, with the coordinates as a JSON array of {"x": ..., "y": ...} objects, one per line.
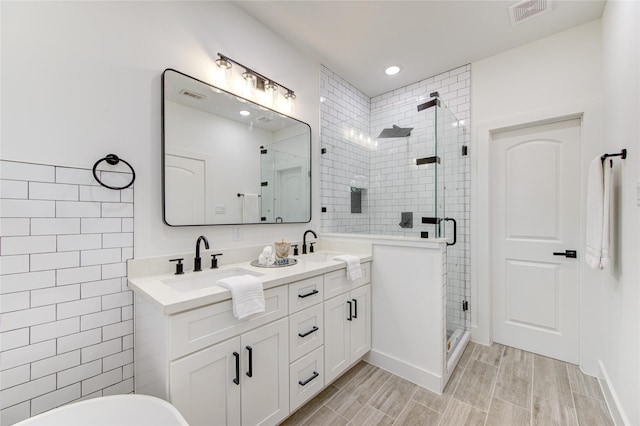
[
  {"x": 336, "y": 337},
  {"x": 360, "y": 332},
  {"x": 202, "y": 387},
  {"x": 265, "y": 374}
]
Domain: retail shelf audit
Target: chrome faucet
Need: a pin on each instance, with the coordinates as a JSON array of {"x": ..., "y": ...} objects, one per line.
[
  {"x": 197, "y": 262},
  {"x": 304, "y": 241}
]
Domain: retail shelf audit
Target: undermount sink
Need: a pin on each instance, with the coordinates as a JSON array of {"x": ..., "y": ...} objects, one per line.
[
  {"x": 318, "y": 257},
  {"x": 201, "y": 280}
]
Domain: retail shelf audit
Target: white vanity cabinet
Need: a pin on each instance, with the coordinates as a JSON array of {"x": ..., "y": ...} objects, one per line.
[
  {"x": 347, "y": 320},
  {"x": 217, "y": 370},
  {"x": 243, "y": 380}
]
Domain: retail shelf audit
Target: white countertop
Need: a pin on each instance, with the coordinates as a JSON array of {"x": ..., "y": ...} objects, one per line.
[{"x": 170, "y": 301}]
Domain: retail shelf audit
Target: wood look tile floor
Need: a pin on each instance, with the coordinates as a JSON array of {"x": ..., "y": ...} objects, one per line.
[{"x": 492, "y": 385}]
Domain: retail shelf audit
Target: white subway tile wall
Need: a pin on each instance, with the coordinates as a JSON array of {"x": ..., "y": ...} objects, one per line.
[
  {"x": 387, "y": 168},
  {"x": 66, "y": 327}
]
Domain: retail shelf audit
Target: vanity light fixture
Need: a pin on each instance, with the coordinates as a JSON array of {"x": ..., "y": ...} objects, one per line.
[
  {"x": 258, "y": 86},
  {"x": 392, "y": 70},
  {"x": 290, "y": 96},
  {"x": 223, "y": 62},
  {"x": 250, "y": 77}
]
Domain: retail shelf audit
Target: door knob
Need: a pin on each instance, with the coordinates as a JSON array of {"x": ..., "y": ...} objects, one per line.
[{"x": 567, "y": 253}]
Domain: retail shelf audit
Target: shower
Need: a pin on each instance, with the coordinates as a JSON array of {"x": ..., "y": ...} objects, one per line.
[{"x": 417, "y": 187}]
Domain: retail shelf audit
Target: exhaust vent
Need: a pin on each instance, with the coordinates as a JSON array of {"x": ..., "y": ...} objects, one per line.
[
  {"x": 192, "y": 95},
  {"x": 264, "y": 119},
  {"x": 528, "y": 9}
]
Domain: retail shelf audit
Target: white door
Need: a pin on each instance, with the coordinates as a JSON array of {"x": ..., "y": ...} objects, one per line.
[
  {"x": 203, "y": 388},
  {"x": 265, "y": 376},
  {"x": 290, "y": 194},
  {"x": 336, "y": 337},
  {"x": 361, "y": 325},
  {"x": 184, "y": 190},
  {"x": 536, "y": 213}
]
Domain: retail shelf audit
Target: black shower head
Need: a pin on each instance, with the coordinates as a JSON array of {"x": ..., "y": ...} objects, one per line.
[{"x": 396, "y": 132}]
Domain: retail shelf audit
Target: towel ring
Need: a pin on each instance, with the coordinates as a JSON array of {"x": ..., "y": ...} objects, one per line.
[{"x": 113, "y": 160}]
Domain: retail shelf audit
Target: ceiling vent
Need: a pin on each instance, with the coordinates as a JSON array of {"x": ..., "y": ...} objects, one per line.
[
  {"x": 527, "y": 9},
  {"x": 264, "y": 119},
  {"x": 192, "y": 95}
]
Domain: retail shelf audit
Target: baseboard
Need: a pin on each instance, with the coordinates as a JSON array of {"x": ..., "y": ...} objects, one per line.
[
  {"x": 407, "y": 371},
  {"x": 610, "y": 396}
]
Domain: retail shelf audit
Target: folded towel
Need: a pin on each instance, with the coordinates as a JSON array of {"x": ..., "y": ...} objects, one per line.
[
  {"x": 247, "y": 295},
  {"x": 354, "y": 271},
  {"x": 598, "y": 198},
  {"x": 605, "y": 260}
]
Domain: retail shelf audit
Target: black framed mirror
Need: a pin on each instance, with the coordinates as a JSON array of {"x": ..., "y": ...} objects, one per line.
[{"x": 229, "y": 161}]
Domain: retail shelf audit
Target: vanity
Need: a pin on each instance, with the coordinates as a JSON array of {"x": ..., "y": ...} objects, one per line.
[{"x": 192, "y": 352}]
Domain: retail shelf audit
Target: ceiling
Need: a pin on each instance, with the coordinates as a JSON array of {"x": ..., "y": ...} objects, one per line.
[{"x": 359, "y": 39}]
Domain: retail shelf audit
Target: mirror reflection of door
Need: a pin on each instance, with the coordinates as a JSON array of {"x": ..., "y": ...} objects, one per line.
[
  {"x": 289, "y": 193},
  {"x": 185, "y": 186}
]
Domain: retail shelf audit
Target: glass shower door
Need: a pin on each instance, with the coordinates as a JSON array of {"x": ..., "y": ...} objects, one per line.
[{"x": 452, "y": 200}]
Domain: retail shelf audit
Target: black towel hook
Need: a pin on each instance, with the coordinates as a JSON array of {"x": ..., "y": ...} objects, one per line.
[{"x": 113, "y": 160}]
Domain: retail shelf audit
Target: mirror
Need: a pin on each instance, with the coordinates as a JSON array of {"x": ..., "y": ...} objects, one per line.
[{"x": 229, "y": 161}]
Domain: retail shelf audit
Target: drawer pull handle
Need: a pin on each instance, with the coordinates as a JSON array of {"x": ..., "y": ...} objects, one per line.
[
  {"x": 311, "y": 293},
  {"x": 304, "y": 383},
  {"x": 313, "y": 330},
  {"x": 237, "y": 379},
  {"x": 350, "y": 318},
  {"x": 355, "y": 308},
  {"x": 250, "y": 372}
]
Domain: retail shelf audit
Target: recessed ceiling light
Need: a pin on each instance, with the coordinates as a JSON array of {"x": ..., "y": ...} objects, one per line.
[
  {"x": 392, "y": 70},
  {"x": 245, "y": 112}
]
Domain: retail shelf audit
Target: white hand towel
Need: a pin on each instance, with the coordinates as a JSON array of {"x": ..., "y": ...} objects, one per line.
[
  {"x": 596, "y": 224},
  {"x": 251, "y": 208},
  {"x": 605, "y": 259},
  {"x": 246, "y": 294},
  {"x": 354, "y": 270}
]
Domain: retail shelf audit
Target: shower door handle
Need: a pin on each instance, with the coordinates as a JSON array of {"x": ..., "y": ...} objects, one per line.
[
  {"x": 567, "y": 253},
  {"x": 455, "y": 231}
]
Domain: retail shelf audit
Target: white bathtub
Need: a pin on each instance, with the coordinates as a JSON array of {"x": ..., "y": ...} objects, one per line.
[{"x": 116, "y": 410}]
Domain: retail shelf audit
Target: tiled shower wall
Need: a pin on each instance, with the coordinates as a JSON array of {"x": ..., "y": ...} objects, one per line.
[
  {"x": 346, "y": 161},
  {"x": 393, "y": 183},
  {"x": 66, "y": 313}
]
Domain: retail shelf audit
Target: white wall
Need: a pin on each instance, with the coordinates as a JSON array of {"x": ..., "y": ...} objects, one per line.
[
  {"x": 81, "y": 80},
  {"x": 620, "y": 287},
  {"x": 556, "y": 76}
]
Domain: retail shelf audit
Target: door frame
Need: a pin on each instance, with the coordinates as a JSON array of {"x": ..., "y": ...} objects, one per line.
[{"x": 590, "y": 114}]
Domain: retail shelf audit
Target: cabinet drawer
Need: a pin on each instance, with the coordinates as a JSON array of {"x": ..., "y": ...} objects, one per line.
[
  {"x": 305, "y": 293},
  {"x": 336, "y": 282},
  {"x": 306, "y": 331},
  {"x": 196, "y": 329},
  {"x": 306, "y": 378}
]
